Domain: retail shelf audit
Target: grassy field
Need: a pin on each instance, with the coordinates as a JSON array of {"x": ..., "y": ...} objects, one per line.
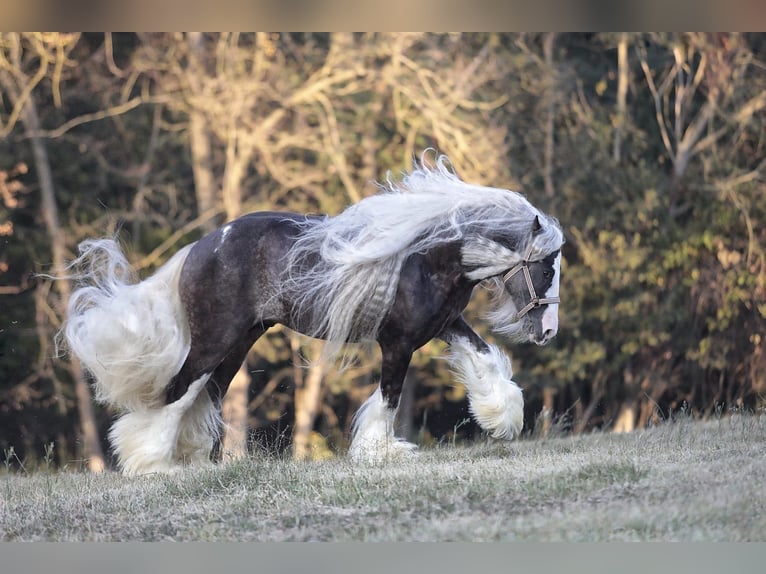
[{"x": 680, "y": 481}]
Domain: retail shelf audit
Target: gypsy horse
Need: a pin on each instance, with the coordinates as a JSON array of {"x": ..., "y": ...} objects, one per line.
[{"x": 398, "y": 268}]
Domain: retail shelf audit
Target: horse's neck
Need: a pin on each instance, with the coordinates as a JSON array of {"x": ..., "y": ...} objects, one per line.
[{"x": 446, "y": 261}]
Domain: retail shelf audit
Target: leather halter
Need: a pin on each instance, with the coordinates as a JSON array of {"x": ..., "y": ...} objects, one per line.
[{"x": 534, "y": 301}]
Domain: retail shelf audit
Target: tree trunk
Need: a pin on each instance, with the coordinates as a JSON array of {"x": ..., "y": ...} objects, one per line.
[
  {"x": 597, "y": 393},
  {"x": 622, "y": 94},
  {"x": 548, "y": 47},
  {"x": 547, "y": 414},
  {"x": 626, "y": 419},
  {"x": 234, "y": 413},
  {"x": 308, "y": 397},
  {"x": 199, "y": 134},
  {"x": 91, "y": 444},
  {"x": 233, "y": 176}
]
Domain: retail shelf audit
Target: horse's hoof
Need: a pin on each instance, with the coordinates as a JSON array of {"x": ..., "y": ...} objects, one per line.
[{"x": 381, "y": 451}]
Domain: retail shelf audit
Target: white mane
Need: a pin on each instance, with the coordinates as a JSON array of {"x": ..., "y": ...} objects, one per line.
[{"x": 353, "y": 283}]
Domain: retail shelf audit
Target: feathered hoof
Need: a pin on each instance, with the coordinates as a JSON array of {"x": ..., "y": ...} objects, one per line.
[
  {"x": 381, "y": 450},
  {"x": 496, "y": 401},
  {"x": 164, "y": 441},
  {"x": 144, "y": 469},
  {"x": 165, "y": 468}
]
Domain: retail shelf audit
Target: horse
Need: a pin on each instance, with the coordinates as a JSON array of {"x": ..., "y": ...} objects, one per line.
[{"x": 397, "y": 268}]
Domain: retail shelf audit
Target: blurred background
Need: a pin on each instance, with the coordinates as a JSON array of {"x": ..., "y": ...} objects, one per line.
[{"x": 649, "y": 148}]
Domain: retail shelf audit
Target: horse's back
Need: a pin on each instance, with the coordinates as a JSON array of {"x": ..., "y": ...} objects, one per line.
[
  {"x": 239, "y": 244},
  {"x": 235, "y": 270}
]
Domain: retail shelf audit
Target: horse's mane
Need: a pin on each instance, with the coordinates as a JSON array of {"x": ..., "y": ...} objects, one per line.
[{"x": 345, "y": 269}]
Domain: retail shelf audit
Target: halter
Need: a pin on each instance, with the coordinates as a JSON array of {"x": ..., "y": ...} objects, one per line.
[{"x": 534, "y": 301}]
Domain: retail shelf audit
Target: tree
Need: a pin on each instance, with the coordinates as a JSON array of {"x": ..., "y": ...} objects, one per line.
[
  {"x": 49, "y": 53},
  {"x": 693, "y": 92}
]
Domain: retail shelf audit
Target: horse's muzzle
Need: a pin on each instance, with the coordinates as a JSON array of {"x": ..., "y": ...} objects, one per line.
[{"x": 546, "y": 337}]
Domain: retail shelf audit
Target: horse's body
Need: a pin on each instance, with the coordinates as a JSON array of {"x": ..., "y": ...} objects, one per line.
[{"x": 397, "y": 268}]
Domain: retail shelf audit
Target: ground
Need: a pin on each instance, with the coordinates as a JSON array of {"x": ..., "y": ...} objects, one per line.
[{"x": 681, "y": 481}]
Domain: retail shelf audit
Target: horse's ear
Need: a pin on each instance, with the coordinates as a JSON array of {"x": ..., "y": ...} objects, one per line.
[{"x": 536, "y": 225}]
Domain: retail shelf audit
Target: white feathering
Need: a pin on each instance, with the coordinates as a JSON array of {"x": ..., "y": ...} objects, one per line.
[
  {"x": 163, "y": 440},
  {"x": 496, "y": 402},
  {"x": 372, "y": 434}
]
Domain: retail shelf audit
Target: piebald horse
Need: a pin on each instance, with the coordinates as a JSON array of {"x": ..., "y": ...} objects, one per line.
[{"x": 398, "y": 268}]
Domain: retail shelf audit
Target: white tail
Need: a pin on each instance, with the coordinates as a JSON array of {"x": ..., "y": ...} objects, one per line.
[{"x": 131, "y": 336}]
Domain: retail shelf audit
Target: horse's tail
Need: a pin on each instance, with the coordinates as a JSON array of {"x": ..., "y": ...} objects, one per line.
[{"x": 131, "y": 335}]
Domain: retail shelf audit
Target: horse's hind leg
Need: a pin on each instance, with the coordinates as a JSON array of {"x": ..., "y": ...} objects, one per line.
[
  {"x": 200, "y": 436},
  {"x": 147, "y": 441},
  {"x": 495, "y": 400},
  {"x": 184, "y": 430},
  {"x": 200, "y": 427},
  {"x": 372, "y": 431},
  {"x": 198, "y": 430}
]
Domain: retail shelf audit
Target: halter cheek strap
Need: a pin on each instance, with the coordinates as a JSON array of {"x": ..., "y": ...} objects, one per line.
[{"x": 534, "y": 300}]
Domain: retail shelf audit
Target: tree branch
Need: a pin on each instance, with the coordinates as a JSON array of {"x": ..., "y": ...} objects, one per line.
[
  {"x": 19, "y": 97},
  {"x": 173, "y": 239},
  {"x": 657, "y": 106},
  {"x": 100, "y": 115}
]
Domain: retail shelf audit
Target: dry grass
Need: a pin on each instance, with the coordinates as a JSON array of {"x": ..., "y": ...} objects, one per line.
[{"x": 683, "y": 480}]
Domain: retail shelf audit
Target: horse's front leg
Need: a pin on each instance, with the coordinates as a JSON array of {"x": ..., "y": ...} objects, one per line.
[
  {"x": 372, "y": 431},
  {"x": 495, "y": 399}
]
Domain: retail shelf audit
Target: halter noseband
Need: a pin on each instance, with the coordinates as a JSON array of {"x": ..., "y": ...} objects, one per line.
[{"x": 534, "y": 301}]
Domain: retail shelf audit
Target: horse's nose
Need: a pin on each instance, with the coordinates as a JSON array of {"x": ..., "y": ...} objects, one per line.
[
  {"x": 548, "y": 334},
  {"x": 550, "y": 323}
]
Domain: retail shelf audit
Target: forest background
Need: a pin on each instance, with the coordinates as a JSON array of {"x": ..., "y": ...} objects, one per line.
[{"x": 649, "y": 148}]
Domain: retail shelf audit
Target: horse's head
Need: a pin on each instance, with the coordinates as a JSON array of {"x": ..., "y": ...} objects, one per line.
[
  {"x": 533, "y": 290},
  {"x": 528, "y": 302}
]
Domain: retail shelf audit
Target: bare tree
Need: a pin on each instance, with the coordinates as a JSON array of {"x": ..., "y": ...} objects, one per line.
[
  {"x": 695, "y": 97},
  {"x": 433, "y": 84},
  {"x": 50, "y": 52}
]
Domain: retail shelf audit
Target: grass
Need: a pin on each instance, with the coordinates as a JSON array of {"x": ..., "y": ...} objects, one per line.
[{"x": 680, "y": 481}]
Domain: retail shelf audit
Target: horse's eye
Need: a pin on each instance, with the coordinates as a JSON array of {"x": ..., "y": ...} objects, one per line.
[{"x": 547, "y": 273}]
